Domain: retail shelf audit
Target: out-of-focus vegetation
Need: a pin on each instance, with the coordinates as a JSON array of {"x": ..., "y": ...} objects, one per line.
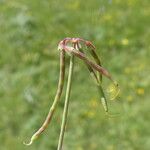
[{"x": 29, "y": 66}]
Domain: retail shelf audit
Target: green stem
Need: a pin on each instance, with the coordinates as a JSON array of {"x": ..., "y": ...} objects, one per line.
[
  {"x": 103, "y": 98},
  {"x": 65, "y": 113}
]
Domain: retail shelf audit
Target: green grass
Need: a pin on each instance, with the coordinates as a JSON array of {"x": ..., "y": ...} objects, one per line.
[{"x": 29, "y": 67}]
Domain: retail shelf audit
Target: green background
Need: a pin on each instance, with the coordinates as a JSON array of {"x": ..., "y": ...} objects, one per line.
[{"x": 29, "y": 69}]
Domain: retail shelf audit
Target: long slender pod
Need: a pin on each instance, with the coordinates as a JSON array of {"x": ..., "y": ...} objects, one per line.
[
  {"x": 99, "y": 84},
  {"x": 57, "y": 97},
  {"x": 97, "y": 79},
  {"x": 65, "y": 112},
  {"x": 84, "y": 58},
  {"x": 96, "y": 58},
  {"x": 92, "y": 72}
]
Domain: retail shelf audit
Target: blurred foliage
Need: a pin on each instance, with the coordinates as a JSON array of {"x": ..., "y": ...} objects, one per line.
[{"x": 29, "y": 67}]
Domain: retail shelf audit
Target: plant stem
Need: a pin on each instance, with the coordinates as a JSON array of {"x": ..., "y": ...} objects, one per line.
[
  {"x": 65, "y": 112},
  {"x": 56, "y": 100},
  {"x": 103, "y": 98},
  {"x": 97, "y": 78}
]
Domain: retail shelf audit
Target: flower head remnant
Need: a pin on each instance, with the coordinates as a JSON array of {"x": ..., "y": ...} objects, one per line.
[{"x": 73, "y": 47}]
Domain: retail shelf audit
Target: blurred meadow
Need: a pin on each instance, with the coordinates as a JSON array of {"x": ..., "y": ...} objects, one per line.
[{"x": 29, "y": 70}]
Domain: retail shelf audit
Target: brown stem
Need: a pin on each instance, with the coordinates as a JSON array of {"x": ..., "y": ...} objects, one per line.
[
  {"x": 57, "y": 97},
  {"x": 84, "y": 58}
]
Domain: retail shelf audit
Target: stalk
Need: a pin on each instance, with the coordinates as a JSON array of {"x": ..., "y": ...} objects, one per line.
[
  {"x": 55, "y": 103},
  {"x": 65, "y": 112},
  {"x": 83, "y": 57},
  {"x": 97, "y": 78}
]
